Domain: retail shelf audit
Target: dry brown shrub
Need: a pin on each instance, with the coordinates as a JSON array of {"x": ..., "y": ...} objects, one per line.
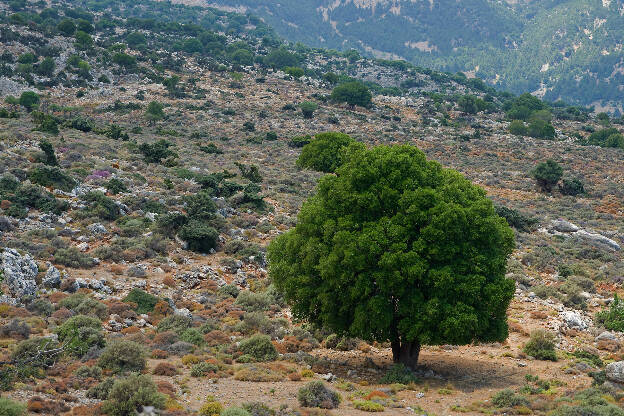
[
  {"x": 165, "y": 369},
  {"x": 117, "y": 269},
  {"x": 169, "y": 281},
  {"x": 40, "y": 405},
  {"x": 166, "y": 388},
  {"x": 216, "y": 337},
  {"x": 130, "y": 330},
  {"x": 159, "y": 354},
  {"x": 516, "y": 327},
  {"x": 539, "y": 315}
]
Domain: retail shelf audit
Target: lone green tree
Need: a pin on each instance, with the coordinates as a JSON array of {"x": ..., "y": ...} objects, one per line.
[
  {"x": 395, "y": 248},
  {"x": 154, "y": 112},
  {"x": 29, "y": 100},
  {"x": 353, "y": 93},
  {"x": 547, "y": 175}
]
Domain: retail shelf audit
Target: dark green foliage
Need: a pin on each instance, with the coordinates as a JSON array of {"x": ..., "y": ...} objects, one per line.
[
  {"x": 610, "y": 137},
  {"x": 315, "y": 394},
  {"x": 48, "y": 151},
  {"x": 258, "y": 409},
  {"x": 202, "y": 369},
  {"x": 52, "y": 177},
  {"x": 29, "y": 100},
  {"x": 541, "y": 346},
  {"x": 249, "y": 172},
  {"x": 588, "y": 357},
  {"x": 408, "y": 238},
  {"x": 46, "y": 67},
  {"x": 518, "y": 128},
  {"x": 547, "y": 174},
  {"x": 571, "y": 186},
  {"x": 72, "y": 257},
  {"x": 516, "y": 219},
  {"x": 541, "y": 129},
  {"x": 67, "y": 27},
  {"x": 192, "y": 336},
  {"x": 353, "y": 93},
  {"x": 523, "y": 107},
  {"x": 281, "y": 58},
  {"x": 398, "y": 373},
  {"x": 122, "y": 356},
  {"x": 211, "y": 148},
  {"x": 308, "y": 108},
  {"x": 170, "y": 223},
  {"x": 507, "y": 398},
  {"x": 594, "y": 401},
  {"x": 470, "y": 104},
  {"x": 154, "y": 111},
  {"x": 28, "y": 196},
  {"x": 128, "y": 395},
  {"x": 324, "y": 153},
  {"x": 259, "y": 347},
  {"x": 199, "y": 235},
  {"x": 124, "y": 60},
  {"x": 200, "y": 206},
  {"x": 38, "y": 352},
  {"x": 115, "y": 186},
  {"x": 100, "y": 391},
  {"x": 299, "y": 141},
  {"x": 157, "y": 151},
  {"x": 145, "y": 302},
  {"x": 80, "y": 333},
  {"x": 613, "y": 317},
  {"x": 99, "y": 205}
]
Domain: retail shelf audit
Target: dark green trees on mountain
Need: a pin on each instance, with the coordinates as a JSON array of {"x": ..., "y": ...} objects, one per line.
[
  {"x": 395, "y": 248},
  {"x": 353, "y": 93}
]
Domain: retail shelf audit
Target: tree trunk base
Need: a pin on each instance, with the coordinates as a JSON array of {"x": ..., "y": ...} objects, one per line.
[{"x": 406, "y": 353}]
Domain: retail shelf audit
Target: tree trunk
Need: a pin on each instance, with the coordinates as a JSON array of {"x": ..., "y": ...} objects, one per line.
[{"x": 406, "y": 353}]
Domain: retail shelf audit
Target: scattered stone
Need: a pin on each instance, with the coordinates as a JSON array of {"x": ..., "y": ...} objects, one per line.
[
  {"x": 615, "y": 372},
  {"x": 52, "y": 278},
  {"x": 136, "y": 271},
  {"x": 19, "y": 273},
  {"x": 96, "y": 228}
]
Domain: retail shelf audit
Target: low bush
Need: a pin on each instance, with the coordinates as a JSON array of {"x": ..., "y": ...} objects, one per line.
[
  {"x": 507, "y": 398},
  {"x": 368, "y": 406},
  {"x": 541, "y": 346},
  {"x": 235, "y": 411},
  {"x": 175, "y": 323},
  {"x": 127, "y": 396},
  {"x": 80, "y": 333},
  {"x": 259, "y": 347},
  {"x": 400, "y": 374},
  {"x": 253, "y": 302},
  {"x": 52, "y": 177},
  {"x": 315, "y": 394},
  {"x": 258, "y": 409},
  {"x": 72, "y": 257},
  {"x": 165, "y": 369},
  {"x": 10, "y": 408},
  {"x": 211, "y": 407},
  {"x": 86, "y": 371},
  {"x": 144, "y": 301},
  {"x": 101, "y": 390},
  {"x": 122, "y": 356},
  {"x": 613, "y": 317},
  {"x": 203, "y": 369}
]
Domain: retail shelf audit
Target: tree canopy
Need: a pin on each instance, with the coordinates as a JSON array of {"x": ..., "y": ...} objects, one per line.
[
  {"x": 394, "y": 247},
  {"x": 323, "y": 154},
  {"x": 353, "y": 93}
]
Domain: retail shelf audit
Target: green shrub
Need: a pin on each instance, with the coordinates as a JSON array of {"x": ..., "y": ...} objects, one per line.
[
  {"x": 199, "y": 236},
  {"x": 517, "y": 128},
  {"x": 88, "y": 372},
  {"x": 258, "y": 409},
  {"x": 157, "y": 151},
  {"x": 612, "y": 318},
  {"x": 192, "y": 336},
  {"x": 259, "y": 347},
  {"x": 128, "y": 395},
  {"x": 253, "y": 302},
  {"x": 323, "y": 154},
  {"x": 541, "y": 345},
  {"x": 10, "y": 408},
  {"x": 571, "y": 187},
  {"x": 79, "y": 333},
  {"x": 122, "y": 356},
  {"x": 235, "y": 411},
  {"x": 100, "y": 391},
  {"x": 202, "y": 369},
  {"x": 52, "y": 176},
  {"x": 144, "y": 301},
  {"x": 101, "y": 206},
  {"x": 175, "y": 323},
  {"x": 516, "y": 219},
  {"x": 43, "y": 348},
  {"x": 398, "y": 373},
  {"x": 315, "y": 394},
  {"x": 116, "y": 186},
  {"x": 368, "y": 406},
  {"x": 72, "y": 257},
  {"x": 547, "y": 174},
  {"x": 507, "y": 398},
  {"x": 594, "y": 401}
]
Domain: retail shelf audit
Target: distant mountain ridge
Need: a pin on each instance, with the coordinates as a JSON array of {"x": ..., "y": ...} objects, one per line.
[{"x": 560, "y": 49}]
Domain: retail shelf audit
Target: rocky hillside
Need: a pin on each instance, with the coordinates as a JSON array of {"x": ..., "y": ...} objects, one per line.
[
  {"x": 148, "y": 157},
  {"x": 569, "y": 50}
]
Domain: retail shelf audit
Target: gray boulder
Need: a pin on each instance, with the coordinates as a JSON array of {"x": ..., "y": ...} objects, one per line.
[
  {"x": 563, "y": 226},
  {"x": 19, "y": 273},
  {"x": 52, "y": 277},
  {"x": 615, "y": 372}
]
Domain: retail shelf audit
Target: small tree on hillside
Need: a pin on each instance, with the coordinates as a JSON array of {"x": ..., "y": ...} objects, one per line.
[
  {"x": 154, "y": 112},
  {"x": 547, "y": 174},
  {"x": 395, "y": 248},
  {"x": 353, "y": 93},
  {"x": 29, "y": 100}
]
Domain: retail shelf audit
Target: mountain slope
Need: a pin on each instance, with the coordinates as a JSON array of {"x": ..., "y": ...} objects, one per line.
[{"x": 567, "y": 49}]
